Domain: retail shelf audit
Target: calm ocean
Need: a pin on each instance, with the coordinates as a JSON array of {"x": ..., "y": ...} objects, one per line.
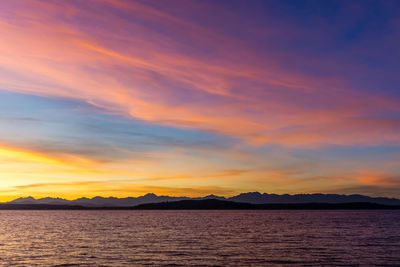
[{"x": 199, "y": 238}]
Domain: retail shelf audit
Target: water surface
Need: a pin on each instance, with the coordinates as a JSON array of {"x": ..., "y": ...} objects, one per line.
[{"x": 222, "y": 238}]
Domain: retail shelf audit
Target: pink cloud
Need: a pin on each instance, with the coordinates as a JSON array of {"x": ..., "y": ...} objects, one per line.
[{"x": 62, "y": 49}]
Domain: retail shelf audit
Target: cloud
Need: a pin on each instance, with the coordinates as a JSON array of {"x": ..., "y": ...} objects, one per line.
[
  {"x": 381, "y": 180},
  {"x": 346, "y": 132},
  {"x": 158, "y": 67},
  {"x": 23, "y": 119},
  {"x": 23, "y": 155}
]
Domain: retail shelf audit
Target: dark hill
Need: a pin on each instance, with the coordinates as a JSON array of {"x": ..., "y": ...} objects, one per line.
[
  {"x": 214, "y": 204},
  {"x": 211, "y": 204},
  {"x": 251, "y": 198}
]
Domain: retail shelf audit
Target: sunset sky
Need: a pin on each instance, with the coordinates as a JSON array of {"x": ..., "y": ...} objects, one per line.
[{"x": 190, "y": 98}]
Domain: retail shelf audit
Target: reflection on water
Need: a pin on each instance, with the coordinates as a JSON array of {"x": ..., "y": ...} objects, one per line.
[{"x": 243, "y": 238}]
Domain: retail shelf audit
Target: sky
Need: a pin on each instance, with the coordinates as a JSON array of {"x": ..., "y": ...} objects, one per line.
[{"x": 189, "y": 98}]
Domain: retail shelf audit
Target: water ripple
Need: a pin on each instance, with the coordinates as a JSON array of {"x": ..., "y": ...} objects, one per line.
[{"x": 199, "y": 238}]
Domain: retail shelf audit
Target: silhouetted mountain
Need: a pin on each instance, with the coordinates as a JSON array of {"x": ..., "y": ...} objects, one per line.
[
  {"x": 23, "y": 200},
  {"x": 45, "y": 201},
  {"x": 258, "y": 198},
  {"x": 252, "y": 197},
  {"x": 210, "y": 197},
  {"x": 124, "y": 202}
]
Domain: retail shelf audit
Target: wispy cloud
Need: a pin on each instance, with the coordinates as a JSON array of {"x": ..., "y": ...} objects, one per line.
[{"x": 131, "y": 67}]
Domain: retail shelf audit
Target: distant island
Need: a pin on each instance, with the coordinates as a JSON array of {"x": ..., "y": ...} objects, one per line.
[
  {"x": 251, "y": 200},
  {"x": 214, "y": 204}
]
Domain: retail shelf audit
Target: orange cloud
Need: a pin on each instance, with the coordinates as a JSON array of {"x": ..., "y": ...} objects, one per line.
[
  {"x": 379, "y": 180},
  {"x": 15, "y": 154}
]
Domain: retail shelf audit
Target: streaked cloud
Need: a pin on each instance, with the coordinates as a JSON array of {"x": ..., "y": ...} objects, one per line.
[{"x": 130, "y": 67}]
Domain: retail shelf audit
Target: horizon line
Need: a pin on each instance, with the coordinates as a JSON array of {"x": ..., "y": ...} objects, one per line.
[{"x": 150, "y": 193}]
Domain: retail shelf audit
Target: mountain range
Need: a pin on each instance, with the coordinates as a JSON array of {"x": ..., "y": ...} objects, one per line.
[{"x": 251, "y": 197}]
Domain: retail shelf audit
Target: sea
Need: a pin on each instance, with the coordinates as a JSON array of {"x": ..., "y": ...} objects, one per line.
[{"x": 199, "y": 238}]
